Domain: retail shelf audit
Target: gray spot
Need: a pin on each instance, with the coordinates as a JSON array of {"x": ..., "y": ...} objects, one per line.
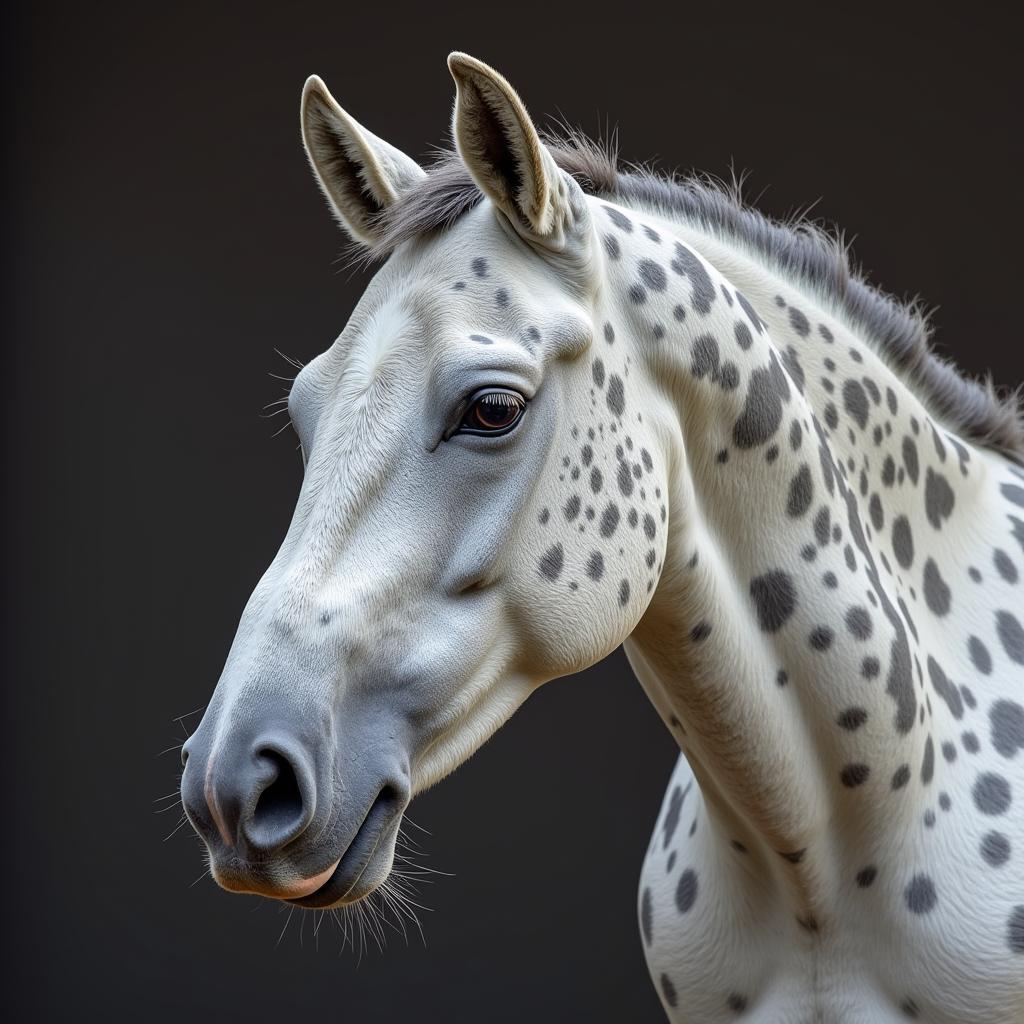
[
  {"x": 822, "y": 525},
  {"x": 479, "y": 266},
  {"x": 668, "y": 990},
  {"x": 625, "y": 480},
  {"x": 736, "y": 1002},
  {"x": 1014, "y": 493},
  {"x": 936, "y": 590},
  {"x": 646, "y": 915},
  {"x": 928, "y": 762},
  {"x": 595, "y": 565},
  {"x": 1007, "y": 720},
  {"x": 572, "y": 508},
  {"x": 945, "y": 688},
  {"x": 749, "y": 310},
  {"x": 991, "y": 794},
  {"x": 700, "y": 632},
  {"x": 774, "y": 597},
  {"x": 852, "y": 719},
  {"x": 910, "y": 459},
  {"x": 609, "y": 519},
  {"x": 596, "y": 479},
  {"x": 704, "y": 358},
  {"x": 858, "y": 622},
  {"x": 801, "y": 492},
  {"x": 1011, "y": 636},
  {"x": 938, "y": 498},
  {"x": 920, "y": 894},
  {"x": 649, "y": 526},
  {"x": 866, "y": 876},
  {"x": 995, "y": 849},
  {"x": 686, "y": 891},
  {"x": 1004, "y": 565},
  {"x": 616, "y": 397},
  {"x": 619, "y": 219},
  {"x": 624, "y": 592},
  {"x": 611, "y": 246},
  {"x": 799, "y": 322},
  {"x": 901, "y": 776},
  {"x": 653, "y": 275},
  {"x": 902, "y": 541},
  {"x": 1015, "y": 930},
  {"x": 609, "y": 333},
  {"x": 481, "y": 339},
  {"x": 598, "y": 373},
  {"x": 854, "y": 775},
  {"x": 762, "y": 409},
  {"x": 675, "y": 807},
  {"x": 551, "y": 562},
  {"x": 875, "y": 511},
  {"x": 855, "y": 401},
  {"x": 821, "y": 638},
  {"x": 743, "y": 336},
  {"x": 686, "y": 264}
]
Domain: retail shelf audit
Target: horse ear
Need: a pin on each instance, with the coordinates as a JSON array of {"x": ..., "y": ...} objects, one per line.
[
  {"x": 360, "y": 175},
  {"x": 502, "y": 150}
]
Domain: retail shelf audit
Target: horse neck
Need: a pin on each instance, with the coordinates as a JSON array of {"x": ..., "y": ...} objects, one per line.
[{"x": 777, "y": 640}]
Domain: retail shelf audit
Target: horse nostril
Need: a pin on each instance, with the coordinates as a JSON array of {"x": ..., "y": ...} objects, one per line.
[{"x": 280, "y": 813}]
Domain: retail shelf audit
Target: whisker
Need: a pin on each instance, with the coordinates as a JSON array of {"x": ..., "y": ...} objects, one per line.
[
  {"x": 287, "y": 921},
  {"x": 183, "y": 821}
]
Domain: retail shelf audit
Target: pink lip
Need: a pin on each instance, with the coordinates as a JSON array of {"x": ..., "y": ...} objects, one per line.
[{"x": 296, "y": 890}]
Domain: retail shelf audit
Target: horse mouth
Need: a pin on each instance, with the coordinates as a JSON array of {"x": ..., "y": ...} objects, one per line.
[{"x": 345, "y": 883}]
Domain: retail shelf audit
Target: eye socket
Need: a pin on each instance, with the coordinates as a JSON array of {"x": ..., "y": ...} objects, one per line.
[{"x": 492, "y": 412}]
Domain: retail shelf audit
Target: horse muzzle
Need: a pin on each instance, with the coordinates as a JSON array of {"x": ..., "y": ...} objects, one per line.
[{"x": 282, "y": 820}]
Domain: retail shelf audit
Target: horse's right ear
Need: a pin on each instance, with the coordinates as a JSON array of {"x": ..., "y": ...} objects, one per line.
[{"x": 360, "y": 175}]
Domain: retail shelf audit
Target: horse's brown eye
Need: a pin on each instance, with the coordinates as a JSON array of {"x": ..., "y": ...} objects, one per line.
[{"x": 493, "y": 411}]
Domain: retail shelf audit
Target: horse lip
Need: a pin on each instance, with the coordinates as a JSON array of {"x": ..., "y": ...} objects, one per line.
[
  {"x": 291, "y": 891},
  {"x": 307, "y": 886},
  {"x": 309, "y": 900}
]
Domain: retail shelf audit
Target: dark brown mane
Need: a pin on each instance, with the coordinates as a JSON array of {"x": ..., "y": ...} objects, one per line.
[{"x": 799, "y": 249}]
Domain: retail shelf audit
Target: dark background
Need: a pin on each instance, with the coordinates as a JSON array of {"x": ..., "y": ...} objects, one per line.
[{"x": 164, "y": 236}]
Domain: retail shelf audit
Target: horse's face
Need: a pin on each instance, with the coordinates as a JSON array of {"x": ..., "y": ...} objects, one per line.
[{"x": 461, "y": 535}]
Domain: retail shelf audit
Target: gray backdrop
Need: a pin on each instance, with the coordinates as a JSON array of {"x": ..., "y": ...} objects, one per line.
[{"x": 163, "y": 237}]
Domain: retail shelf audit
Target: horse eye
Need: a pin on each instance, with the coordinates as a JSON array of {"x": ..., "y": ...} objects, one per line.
[{"x": 493, "y": 411}]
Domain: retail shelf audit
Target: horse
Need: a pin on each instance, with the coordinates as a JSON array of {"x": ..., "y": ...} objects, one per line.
[{"x": 579, "y": 406}]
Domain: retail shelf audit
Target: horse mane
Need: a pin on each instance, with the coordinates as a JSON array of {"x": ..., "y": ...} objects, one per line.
[{"x": 800, "y": 249}]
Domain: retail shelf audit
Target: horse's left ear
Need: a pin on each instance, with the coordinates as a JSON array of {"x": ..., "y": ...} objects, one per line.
[{"x": 503, "y": 151}]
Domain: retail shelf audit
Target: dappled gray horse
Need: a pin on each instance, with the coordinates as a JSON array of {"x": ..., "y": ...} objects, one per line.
[{"x": 577, "y": 407}]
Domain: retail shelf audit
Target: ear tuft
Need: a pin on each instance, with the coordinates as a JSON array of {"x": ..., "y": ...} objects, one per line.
[{"x": 360, "y": 174}]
